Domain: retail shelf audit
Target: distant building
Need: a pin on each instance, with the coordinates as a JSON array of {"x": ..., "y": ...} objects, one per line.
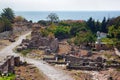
[{"x": 103, "y": 35}]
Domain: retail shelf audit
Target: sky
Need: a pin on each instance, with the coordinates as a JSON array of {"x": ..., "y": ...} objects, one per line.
[{"x": 61, "y": 5}]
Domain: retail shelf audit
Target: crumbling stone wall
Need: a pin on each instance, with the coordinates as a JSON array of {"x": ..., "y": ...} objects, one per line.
[
  {"x": 4, "y": 67},
  {"x": 39, "y": 42},
  {"x": 85, "y": 63},
  {"x": 10, "y": 60},
  {"x": 7, "y": 65},
  {"x": 54, "y": 45}
]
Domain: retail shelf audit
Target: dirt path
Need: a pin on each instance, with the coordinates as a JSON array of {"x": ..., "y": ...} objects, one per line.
[{"x": 49, "y": 71}]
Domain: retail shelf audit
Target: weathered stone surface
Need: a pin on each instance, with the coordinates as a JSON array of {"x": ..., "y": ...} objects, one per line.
[
  {"x": 85, "y": 63},
  {"x": 17, "y": 61},
  {"x": 19, "y": 48},
  {"x": 39, "y": 42},
  {"x": 54, "y": 45},
  {"x": 7, "y": 65}
]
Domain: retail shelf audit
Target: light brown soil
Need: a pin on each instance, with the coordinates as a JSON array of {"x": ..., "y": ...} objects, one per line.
[
  {"x": 29, "y": 72},
  {"x": 4, "y": 43},
  {"x": 79, "y": 75},
  {"x": 36, "y": 54},
  {"x": 64, "y": 47}
]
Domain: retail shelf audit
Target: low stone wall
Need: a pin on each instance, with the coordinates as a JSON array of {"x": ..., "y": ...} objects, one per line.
[
  {"x": 84, "y": 63},
  {"x": 47, "y": 59}
]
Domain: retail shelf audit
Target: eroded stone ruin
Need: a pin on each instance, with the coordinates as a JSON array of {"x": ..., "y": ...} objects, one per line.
[
  {"x": 85, "y": 63},
  {"x": 7, "y": 64},
  {"x": 39, "y": 42}
]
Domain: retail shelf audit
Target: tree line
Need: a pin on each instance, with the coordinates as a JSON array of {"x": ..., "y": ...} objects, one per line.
[{"x": 83, "y": 32}]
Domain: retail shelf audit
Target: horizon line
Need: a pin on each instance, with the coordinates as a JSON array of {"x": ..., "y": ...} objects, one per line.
[{"x": 67, "y": 11}]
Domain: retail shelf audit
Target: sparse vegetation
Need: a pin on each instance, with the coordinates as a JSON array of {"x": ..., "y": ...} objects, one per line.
[
  {"x": 9, "y": 77},
  {"x": 108, "y": 56},
  {"x": 25, "y": 52},
  {"x": 29, "y": 72}
]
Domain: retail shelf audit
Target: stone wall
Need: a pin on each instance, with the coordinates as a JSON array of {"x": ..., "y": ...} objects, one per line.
[
  {"x": 54, "y": 45},
  {"x": 7, "y": 65},
  {"x": 39, "y": 42},
  {"x": 85, "y": 63}
]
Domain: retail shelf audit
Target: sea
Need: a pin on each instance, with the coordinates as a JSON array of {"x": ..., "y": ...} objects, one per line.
[{"x": 35, "y": 16}]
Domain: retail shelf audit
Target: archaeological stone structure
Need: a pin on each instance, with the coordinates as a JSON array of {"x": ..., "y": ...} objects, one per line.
[
  {"x": 39, "y": 42},
  {"x": 85, "y": 63},
  {"x": 7, "y": 64}
]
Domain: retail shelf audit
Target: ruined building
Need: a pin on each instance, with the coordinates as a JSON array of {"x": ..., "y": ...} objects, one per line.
[
  {"x": 85, "y": 63},
  {"x": 39, "y": 42},
  {"x": 7, "y": 64}
]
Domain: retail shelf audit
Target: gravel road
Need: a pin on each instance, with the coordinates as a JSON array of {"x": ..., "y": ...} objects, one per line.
[{"x": 51, "y": 72}]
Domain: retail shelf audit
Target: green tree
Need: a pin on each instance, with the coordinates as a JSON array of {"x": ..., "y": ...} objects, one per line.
[
  {"x": 91, "y": 25},
  {"x": 104, "y": 25},
  {"x": 62, "y": 32},
  {"x": 113, "y": 21},
  {"x": 52, "y": 28},
  {"x": 6, "y": 25},
  {"x": 77, "y": 27},
  {"x": 1, "y": 25},
  {"x": 53, "y": 17},
  {"x": 98, "y": 26},
  {"x": 83, "y": 38},
  {"x": 114, "y": 32},
  {"x": 8, "y": 13},
  {"x": 44, "y": 23}
]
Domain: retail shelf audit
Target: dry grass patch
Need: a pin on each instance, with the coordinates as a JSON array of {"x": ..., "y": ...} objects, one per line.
[
  {"x": 4, "y": 43},
  {"x": 29, "y": 72}
]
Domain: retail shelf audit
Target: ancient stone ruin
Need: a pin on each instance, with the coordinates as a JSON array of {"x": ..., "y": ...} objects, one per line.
[
  {"x": 39, "y": 42},
  {"x": 85, "y": 63},
  {"x": 7, "y": 64}
]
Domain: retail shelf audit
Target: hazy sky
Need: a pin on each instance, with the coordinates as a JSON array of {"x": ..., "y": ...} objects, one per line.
[{"x": 60, "y": 5}]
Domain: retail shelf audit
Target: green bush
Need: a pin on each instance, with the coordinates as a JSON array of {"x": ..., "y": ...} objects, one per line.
[
  {"x": 9, "y": 77},
  {"x": 62, "y": 32},
  {"x": 25, "y": 52}
]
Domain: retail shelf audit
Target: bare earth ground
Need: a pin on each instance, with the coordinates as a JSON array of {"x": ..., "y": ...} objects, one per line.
[
  {"x": 4, "y": 43},
  {"x": 51, "y": 72},
  {"x": 29, "y": 72},
  {"x": 91, "y": 75},
  {"x": 64, "y": 47}
]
